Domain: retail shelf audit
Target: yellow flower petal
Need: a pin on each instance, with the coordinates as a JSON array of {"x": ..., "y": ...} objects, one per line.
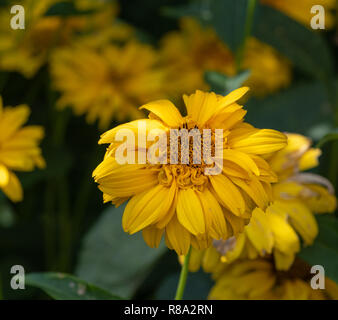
[
  {"x": 146, "y": 208},
  {"x": 166, "y": 111},
  {"x": 213, "y": 214},
  {"x": 177, "y": 237},
  {"x": 228, "y": 194},
  {"x": 189, "y": 211},
  {"x": 257, "y": 141},
  {"x": 259, "y": 232},
  {"x": 13, "y": 189},
  {"x": 152, "y": 236},
  {"x": 4, "y": 175}
]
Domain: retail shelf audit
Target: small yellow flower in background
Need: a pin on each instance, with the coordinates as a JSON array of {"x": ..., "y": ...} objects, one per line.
[
  {"x": 180, "y": 200},
  {"x": 26, "y": 50},
  {"x": 269, "y": 71},
  {"x": 19, "y": 150},
  {"x": 300, "y": 10},
  {"x": 108, "y": 82},
  {"x": 297, "y": 197},
  {"x": 194, "y": 49},
  {"x": 260, "y": 280}
]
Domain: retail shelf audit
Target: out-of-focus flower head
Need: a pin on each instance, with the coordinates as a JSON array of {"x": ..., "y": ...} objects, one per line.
[
  {"x": 107, "y": 82},
  {"x": 26, "y": 50},
  {"x": 297, "y": 197},
  {"x": 300, "y": 10},
  {"x": 19, "y": 148},
  {"x": 260, "y": 280},
  {"x": 194, "y": 50},
  {"x": 180, "y": 199}
]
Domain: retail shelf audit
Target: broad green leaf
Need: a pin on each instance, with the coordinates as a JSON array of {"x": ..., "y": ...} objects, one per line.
[
  {"x": 324, "y": 251},
  {"x": 296, "y": 109},
  {"x": 112, "y": 259},
  {"x": 329, "y": 137},
  {"x": 228, "y": 18},
  {"x": 61, "y": 286},
  {"x": 222, "y": 84},
  {"x": 304, "y": 47}
]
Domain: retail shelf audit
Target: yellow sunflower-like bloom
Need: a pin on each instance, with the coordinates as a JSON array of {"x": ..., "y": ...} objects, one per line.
[
  {"x": 106, "y": 82},
  {"x": 183, "y": 201},
  {"x": 194, "y": 50},
  {"x": 260, "y": 280},
  {"x": 297, "y": 197},
  {"x": 19, "y": 150},
  {"x": 26, "y": 50},
  {"x": 300, "y": 10}
]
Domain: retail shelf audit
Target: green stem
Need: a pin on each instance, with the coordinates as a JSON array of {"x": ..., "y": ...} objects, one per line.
[
  {"x": 183, "y": 277},
  {"x": 247, "y": 31}
]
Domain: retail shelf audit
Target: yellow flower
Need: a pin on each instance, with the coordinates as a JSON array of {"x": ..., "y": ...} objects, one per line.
[
  {"x": 26, "y": 50},
  {"x": 269, "y": 71},
  {"x": 260, "y": 280},
  {"x": 194, "y": 49},
  {"x": 297, "y": 197},
  {"x": 107, "y": 82},
  {"x": 300, "y": 10},
  {"x": 183, "y": 201},
  {"x": 19, "y": 150}
]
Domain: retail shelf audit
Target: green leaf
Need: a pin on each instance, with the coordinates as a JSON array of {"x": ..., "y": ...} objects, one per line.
[
  {"x": 324, "y": 250},
  {"x": 305, "y": 48},
  {"x": 222, "y": 84},
  {"x": 282, "y": 110},
  {"x": 66, "y": 8},
  {"x": 113, "y": 259},
  {"x": 228, "y": 18},
  {"x": 61, "y": 286},
  {"x": 329, "y": 137}
]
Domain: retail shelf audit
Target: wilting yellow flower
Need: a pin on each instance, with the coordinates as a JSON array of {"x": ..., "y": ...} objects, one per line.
[
  {"x": 300, "y": 10},
  {"x": 19, "y": 150},
  {"x": 26, "y": 50},
  {"x": 107, "y": 82},
  {"x": 181, "y": 200},
  {"x": 260, "y": 280},
  {"x": 194, "y": 50},
  {"x": 297, "y": 197}
]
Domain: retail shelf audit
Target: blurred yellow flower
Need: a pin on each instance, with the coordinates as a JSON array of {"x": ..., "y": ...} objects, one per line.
[
  {"x": 297, "y": 197},
  {"x": 300, "y": 10},
  {"x": 26, "y": 50},
  {"x": 195, "y": 49},
  {"x": 107, "y": 82},
  {"x": 260, "y": 280},
  {"x": 180, "y": 200},
  {"x": 19, "y": 150}
]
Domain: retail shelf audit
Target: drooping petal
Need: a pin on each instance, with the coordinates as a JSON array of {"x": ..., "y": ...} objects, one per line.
[
  {"x": 177, "y": 237},
  {"x": 259, "y": 232},
  {"x": 213, "y": 214},
  {"x": 146, "y": 208},
  {"x": 152, "y": 236},
  {"x": 228, "y": 194},
  {"x": 190, "y": 212}
]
